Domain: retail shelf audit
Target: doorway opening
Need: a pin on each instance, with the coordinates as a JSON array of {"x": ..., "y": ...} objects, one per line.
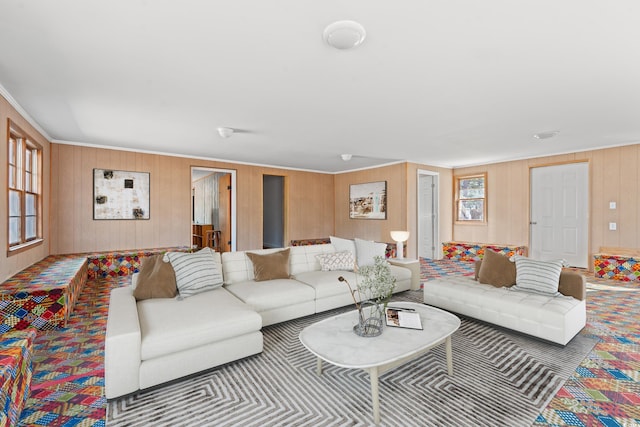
[
  {"x": 273, "y": 208},
  {"x": 213, "y": 208},
  {"x": 428, "y": 220}
]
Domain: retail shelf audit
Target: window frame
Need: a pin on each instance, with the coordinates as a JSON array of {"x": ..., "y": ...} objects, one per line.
[
  {"x": 458, "y": 199},
  {"x": 25, "y": 179}
]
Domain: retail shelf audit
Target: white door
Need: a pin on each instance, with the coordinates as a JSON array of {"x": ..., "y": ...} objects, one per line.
[
  {"x": 427, "y": 215},
  {"x": 559, "y": 221}
]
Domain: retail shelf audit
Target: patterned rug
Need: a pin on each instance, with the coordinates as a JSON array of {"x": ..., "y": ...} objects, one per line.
[{"x": 500, "y": 378}]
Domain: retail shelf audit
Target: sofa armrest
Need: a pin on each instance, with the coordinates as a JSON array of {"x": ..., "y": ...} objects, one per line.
[
  {"x": 122, "y": 345},
  {"x": 573, "y": 284}
]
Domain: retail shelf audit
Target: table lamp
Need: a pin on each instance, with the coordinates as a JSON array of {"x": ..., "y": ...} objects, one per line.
[{"x": 400, "y": 237}]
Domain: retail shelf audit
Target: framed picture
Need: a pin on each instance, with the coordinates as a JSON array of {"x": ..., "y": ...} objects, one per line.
[
  {"x": 368, "y": 201},
  {"x": 120, "y": 194}
]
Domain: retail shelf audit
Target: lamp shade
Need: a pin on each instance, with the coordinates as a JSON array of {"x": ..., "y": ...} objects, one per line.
[{"x": 400, "y": 236}]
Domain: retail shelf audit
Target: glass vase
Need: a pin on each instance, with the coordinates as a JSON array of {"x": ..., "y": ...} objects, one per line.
[{"x": 370, "y": 316}]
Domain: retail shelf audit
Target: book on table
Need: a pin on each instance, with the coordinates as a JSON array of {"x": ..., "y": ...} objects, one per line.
[{"x": 403, "y": 318}]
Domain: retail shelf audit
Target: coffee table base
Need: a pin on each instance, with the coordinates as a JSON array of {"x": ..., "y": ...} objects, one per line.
[{"x": 376, "y": 371}]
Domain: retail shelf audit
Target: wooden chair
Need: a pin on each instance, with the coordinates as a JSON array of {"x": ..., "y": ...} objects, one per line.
[{"x": 214, "y": 240}]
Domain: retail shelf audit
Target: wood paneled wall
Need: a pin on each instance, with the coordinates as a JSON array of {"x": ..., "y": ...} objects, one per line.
[
  {"x": 401, "y": 204},
  {"x": 9, "y": 265},
  {"x": 372, "y": 229},
  {"x": 310, "y": 208},
  {"x": 614, "y": 177}
]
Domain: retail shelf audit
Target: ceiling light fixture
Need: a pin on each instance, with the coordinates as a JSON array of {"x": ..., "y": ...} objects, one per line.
[
  {"x": 546, "y": 135},
  {"x": 346, "y": 157},
  {"x": 225, "y": 132},
  {"x": 344, "y": 34}
]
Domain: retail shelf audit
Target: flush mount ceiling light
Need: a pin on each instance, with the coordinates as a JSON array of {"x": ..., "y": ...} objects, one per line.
[
  {"x": 344, "y": 34},
  {"x": 546, "y": 135},
  {"x": 225, "y": 132},
  {"x": 346, "y": 157}
]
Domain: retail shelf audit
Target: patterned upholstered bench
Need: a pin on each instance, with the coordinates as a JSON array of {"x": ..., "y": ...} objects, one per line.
[
  {"x": 16, "y": 351},
  {"x": 42, "y": 295},
  {"x": 466, "y": 251},
  {"x": 617, "y": 264},
  {"x": 122, "y": 263}
]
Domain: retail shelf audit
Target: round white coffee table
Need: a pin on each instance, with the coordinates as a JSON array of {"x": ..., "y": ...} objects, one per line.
[{"x": 334, "y": 341}]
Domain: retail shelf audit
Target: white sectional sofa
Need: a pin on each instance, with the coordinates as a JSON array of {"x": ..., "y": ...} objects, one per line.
[
  {"x": 553, "y": 318},
  {"x": 153, "y": 341}
]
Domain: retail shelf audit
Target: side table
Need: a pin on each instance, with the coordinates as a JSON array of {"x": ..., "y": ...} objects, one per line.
[{"x": 413, "y": 265}]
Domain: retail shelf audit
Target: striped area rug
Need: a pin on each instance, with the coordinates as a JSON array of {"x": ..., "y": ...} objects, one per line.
[{"x": 500, "y": 378}]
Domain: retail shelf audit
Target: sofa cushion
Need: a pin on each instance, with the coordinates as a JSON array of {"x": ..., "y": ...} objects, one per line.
[
  {"x": 270, "y": 294},
  {"x": 537, "y": 276},
  {"x": 343, "y": 244},
  {"x": 326, "y": 283},
  {"x": 367, "y": 250},
  {"x": 337, "y": 261},
  {"x": 237, "y": 267},
  {"x": 270, "y": 266},
  {"x": 156, "y": 279},
  {"x": 304, "y": 258},
  {"x": 497, "y": 270},
  {"x": 168, "y": 325},
  {"x": 195, "y": 272}
]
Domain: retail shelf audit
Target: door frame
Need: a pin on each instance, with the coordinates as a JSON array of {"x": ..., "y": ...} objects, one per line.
[
  {"x": 589, "y": 202},
  {"x": 234, "y": 216},
  {"x": 436, "y": 212}
]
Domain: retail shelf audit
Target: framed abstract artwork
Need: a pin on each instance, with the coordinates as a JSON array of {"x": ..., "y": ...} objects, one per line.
[
  {"x": 368, "y": 201},
  {"x": 120, "y": 194}
]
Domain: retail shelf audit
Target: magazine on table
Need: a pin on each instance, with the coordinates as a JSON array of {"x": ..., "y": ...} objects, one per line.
[{"x": 403, "y": 318}]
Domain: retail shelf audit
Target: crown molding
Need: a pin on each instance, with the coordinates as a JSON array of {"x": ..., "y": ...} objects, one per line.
[{"x": 12, "y": 101}]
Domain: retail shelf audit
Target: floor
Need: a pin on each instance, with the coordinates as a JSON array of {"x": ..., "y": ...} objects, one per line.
[{"x": 67, "y": 387}]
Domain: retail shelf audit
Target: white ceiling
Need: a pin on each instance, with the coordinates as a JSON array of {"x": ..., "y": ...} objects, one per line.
[{"x": 442, "y": 82}]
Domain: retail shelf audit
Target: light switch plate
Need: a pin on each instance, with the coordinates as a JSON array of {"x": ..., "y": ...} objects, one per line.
[
  {"x": 612, "y": 205},
  {"x": 613, "y": 226}
]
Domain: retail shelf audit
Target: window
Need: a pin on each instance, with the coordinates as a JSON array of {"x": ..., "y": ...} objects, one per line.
[
  {"x": 471, "y": 198},
  {"x": 25, "y": 199}
]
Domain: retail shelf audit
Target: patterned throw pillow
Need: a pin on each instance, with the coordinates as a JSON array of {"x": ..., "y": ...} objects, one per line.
[
  {"x": 337, "y": 261},
  {"x": 542, "y": 277},
  {"x": 196, "y": 272}
]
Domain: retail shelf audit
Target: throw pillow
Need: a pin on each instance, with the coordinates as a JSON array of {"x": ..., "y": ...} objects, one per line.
[
  {"x": 497, "y": 270},
  {"x": 342, "y": 245},
  {"x": 366, "y": 251},
  {"x": 542, "y": 277},
  {"x": 270, "y": 266},
  {"x": 195, "y": 272},
  {"x": 156, "y": 279},
  {"x": 337, "y": 261}
]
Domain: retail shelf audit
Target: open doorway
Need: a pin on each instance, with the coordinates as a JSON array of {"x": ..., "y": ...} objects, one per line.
[
  {"x": 273, "y": 204},
  {"x": 213, "y": 208},
  {"x": 428, "y": 237}
]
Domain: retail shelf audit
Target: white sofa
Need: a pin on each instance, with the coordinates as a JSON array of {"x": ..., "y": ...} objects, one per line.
[
  {"x": 153, "y": 341},
  {"x": 553, "y": 318}
]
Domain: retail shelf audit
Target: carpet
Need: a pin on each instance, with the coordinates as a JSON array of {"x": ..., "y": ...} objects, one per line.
[{"x": 500, "y": 378}]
